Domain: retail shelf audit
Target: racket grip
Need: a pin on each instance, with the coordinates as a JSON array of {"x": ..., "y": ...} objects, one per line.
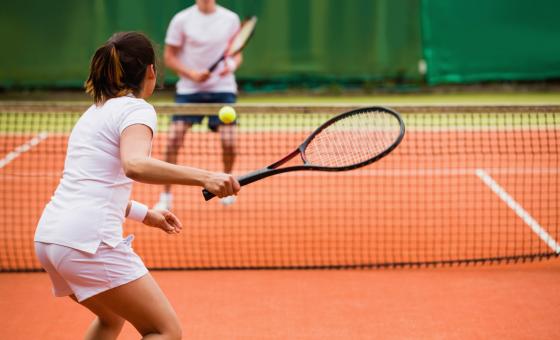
[
  {"x": 213, "y": 67},
  {"x": 243, "y": 180},
  {"x": 207, "y": 194}
]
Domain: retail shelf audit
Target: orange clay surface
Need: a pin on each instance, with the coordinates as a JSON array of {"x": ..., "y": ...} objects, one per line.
[
  {"x": 514, "y": 301},
  {"x": 448, "y": 210}
]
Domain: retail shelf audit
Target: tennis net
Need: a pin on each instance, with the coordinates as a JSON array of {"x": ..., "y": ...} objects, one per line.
[{"x": 468, "y": 184}]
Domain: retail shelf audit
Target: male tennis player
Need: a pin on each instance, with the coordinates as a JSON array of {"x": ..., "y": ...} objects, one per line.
[
  {"x": 196, "y": 37},
  {"x": 79, "y": 238}
]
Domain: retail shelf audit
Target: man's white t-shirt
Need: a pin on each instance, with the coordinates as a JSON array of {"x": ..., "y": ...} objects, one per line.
[
  {"x": 89, "y": 205},
  {"x": 203, "y": 38}
]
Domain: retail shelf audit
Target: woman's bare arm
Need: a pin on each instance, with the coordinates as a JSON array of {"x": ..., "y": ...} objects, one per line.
[{"x": 135, "y": 145}]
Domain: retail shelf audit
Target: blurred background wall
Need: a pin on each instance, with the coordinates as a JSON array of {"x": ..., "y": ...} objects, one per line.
[{"x": 49, "y": 43}]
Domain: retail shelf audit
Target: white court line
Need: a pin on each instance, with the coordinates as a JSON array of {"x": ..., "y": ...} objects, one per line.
[
  {"x": 518, "y": 209},
  {"x": 22, "y": 148}
]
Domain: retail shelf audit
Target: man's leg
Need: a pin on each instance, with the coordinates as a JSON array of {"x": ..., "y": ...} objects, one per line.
[
  {"x": 175, "y": 140},
  {"x": 227, "y": 136}
]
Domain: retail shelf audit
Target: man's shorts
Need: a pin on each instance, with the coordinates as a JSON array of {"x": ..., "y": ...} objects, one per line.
[
  {"x": 83, "y": 274},
  {"x": 204, "y": 97}
]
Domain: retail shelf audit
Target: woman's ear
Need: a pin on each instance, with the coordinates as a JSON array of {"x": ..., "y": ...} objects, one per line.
[{"x": 151, "y": 72}]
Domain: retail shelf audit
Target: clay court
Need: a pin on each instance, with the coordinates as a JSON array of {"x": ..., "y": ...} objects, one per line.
[
  {"x": 448, "y": 232},
  {"x": 515, "y": 301},
  {"x": 454, "y": 234}
]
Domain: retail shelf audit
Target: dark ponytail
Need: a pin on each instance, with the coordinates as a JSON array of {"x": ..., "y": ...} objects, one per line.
[{"x": 118, "y": 67}]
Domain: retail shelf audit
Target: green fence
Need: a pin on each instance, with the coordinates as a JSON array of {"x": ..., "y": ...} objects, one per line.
[
  {"x": 49, "y": 43},
  {"x": 489, "y": 40}
]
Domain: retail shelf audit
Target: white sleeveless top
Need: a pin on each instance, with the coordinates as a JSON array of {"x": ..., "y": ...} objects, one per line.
[{"x": 89, "y": 204}]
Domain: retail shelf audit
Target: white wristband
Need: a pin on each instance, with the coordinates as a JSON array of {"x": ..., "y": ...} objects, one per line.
[{"x": 138, "y": 211}]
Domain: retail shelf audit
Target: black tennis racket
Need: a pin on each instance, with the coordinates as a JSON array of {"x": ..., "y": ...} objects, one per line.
[
  {"x": 347, "y": 141},
  {"x": 239, "y": 41}
]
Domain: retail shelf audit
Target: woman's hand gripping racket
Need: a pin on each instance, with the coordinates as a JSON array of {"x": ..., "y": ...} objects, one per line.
[
  {"x": 347, "y": 141},
  {"x": 239, "y": 41}
]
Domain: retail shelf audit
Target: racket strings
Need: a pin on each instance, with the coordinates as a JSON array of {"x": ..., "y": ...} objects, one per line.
[{"x": 354, "y": 139}]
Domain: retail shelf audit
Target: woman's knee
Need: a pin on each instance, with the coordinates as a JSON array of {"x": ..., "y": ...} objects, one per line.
[
  {"x": 114, "y": 322},
  {"x": 105, "y": 317},
  {"x": 170, "y": 330},
  {"x": 174, "y": 330}
]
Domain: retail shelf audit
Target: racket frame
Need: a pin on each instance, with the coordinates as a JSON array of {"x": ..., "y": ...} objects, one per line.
[
  {"x": 273, "y": 169},
  {"x": 226, "y": 54}
]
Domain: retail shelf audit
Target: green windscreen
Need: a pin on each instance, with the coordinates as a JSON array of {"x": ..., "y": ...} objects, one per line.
[
  {"x": 50, "y": 43},
  {"x": 481, "y": 40}
]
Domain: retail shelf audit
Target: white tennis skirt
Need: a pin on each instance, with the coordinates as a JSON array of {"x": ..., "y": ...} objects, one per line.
[{"x": 83, "y": 274}]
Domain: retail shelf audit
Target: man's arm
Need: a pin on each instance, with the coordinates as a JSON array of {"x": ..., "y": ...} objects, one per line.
[{"x": 171, "y": 60}]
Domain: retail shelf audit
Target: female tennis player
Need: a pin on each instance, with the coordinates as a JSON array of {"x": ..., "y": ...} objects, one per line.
[{"x": 79, "y": 238}]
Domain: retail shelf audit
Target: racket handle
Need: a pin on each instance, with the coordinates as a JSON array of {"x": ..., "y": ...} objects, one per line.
[
  {"x": 243, "y": 180},
  {"x": 207, "y": 194},
  {"x": 254, "y": 176},
  {"x": 213, "y": 67}
]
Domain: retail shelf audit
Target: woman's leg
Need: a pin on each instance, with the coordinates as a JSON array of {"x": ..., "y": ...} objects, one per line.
[
  {"x": 107, "y": 325},
  {"x": 143, "y": 304}
]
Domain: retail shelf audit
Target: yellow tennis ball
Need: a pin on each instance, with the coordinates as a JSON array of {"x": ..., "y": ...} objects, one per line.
[{"x": 227, "y": 114}]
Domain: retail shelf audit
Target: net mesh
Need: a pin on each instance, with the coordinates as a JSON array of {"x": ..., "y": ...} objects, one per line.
[
  {"x": 354, "y": 139},
  {"x": 466, "y": 184}
]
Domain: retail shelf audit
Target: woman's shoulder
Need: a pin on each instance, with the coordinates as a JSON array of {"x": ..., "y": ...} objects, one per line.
[
  {"x": 126, "y": 104},
  {"x": 128, "y": 100}
]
